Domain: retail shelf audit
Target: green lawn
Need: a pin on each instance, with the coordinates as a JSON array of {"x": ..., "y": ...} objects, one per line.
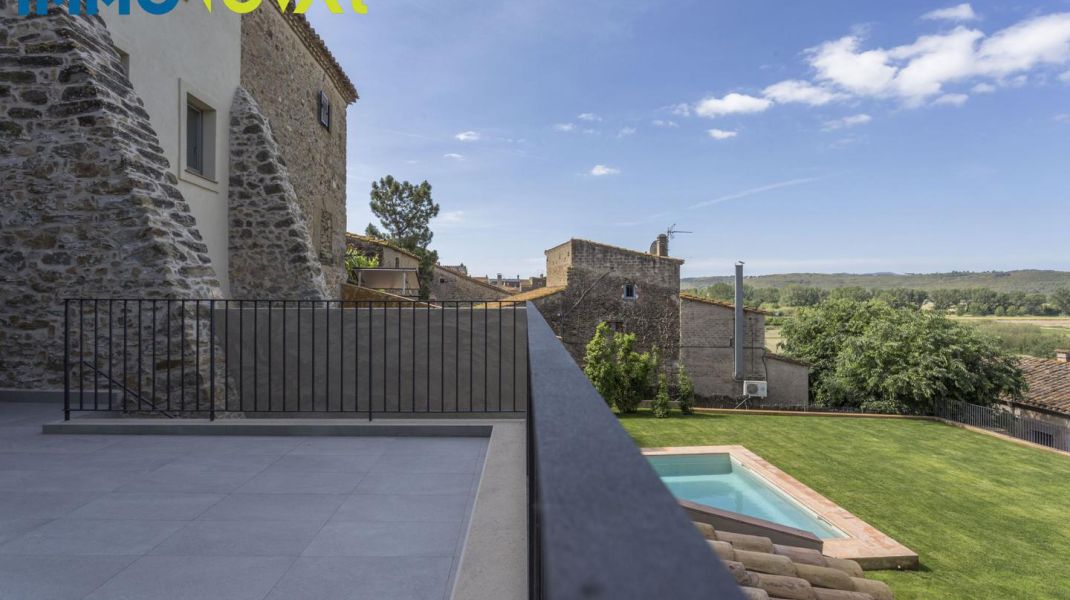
[{"x": 989, "y": 519}]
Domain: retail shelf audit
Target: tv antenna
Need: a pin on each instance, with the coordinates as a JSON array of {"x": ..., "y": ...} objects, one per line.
[{"x": 672, "y": 231}]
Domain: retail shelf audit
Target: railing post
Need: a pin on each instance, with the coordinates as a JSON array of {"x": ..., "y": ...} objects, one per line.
[
  {"x": 66, "y": 360},
  {"x": 211, "y": 360}
]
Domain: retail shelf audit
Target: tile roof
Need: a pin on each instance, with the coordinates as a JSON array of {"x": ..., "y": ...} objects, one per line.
[
  {"x": 386, "y": 244},
  {"x": 704, "y": 300},
  {"x": 536, "y": 293},
  {"x": 477, "y": 280},
  {"x": 1049, "y": 383},
  {"x": 768, "y": 571}
]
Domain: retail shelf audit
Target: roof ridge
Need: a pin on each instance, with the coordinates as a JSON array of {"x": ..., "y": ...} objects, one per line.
[{"x": 319, "y": 50}]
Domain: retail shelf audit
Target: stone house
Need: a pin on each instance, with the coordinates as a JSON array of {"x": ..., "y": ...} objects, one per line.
[
  {"x": 131, "y": 170},
  {"x": 1046, "y": 404},
  {"x": 397, "y": 273},
  {"x": 639, "y": 292}
]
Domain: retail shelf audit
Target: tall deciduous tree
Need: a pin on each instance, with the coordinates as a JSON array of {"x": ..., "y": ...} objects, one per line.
[
  {"x": 405, "y": 212},
  {"x": 1061, "y": 299},
  {"x": 870, "y": 355}
]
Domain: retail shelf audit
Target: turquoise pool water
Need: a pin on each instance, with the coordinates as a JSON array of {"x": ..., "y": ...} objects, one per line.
[{"x": 718, "y": 481}]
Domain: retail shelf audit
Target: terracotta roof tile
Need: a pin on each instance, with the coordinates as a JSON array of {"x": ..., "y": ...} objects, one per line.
[
  {"x": 1049, "y": 383},
  {"x": 704, "y": 300},
  {"x": 536, "y": 293},
  {"x": 765, "y": 570}
]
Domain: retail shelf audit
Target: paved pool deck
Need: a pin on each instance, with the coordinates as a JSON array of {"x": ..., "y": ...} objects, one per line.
[{"x": 175, "y": 517}]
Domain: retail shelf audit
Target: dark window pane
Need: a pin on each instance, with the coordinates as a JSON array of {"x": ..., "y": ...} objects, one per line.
[{"x": 194, "y": 139}]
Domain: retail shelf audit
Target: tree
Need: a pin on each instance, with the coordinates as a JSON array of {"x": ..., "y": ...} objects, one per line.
[
  {"x": 1061, "y": 299},
  {"x": 685, "y": 389},
  {"x": 620, "y": 374},
  {"x": 405, "y": 212},
  {"x": 797, "y": 295},
  {"x": 660, "y": 405},
  {"x": 872, "y": 356}
]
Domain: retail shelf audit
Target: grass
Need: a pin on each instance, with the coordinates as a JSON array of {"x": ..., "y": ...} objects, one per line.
[
  {"x": 989, "y": 519},
  {"x": 1032, "y": 336}
]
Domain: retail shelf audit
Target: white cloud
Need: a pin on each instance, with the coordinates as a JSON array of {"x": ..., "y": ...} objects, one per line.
[
  {"x": 602, "y": 170},
  {"x": 721, "y": 134},
  {"x": 1062, "y": 118},
  {"x": 564, "y": 127},
  {"x": 730, "y": 105},
  {"x": 588, "y": 117},
  {"x": 1020, "y": 47},
  {"x": 663, "y": 123},
  {"x": 795, "y": 90},
  {"x": 681, "y": 110},
  {"x": 626, "y": 131},
  {"x": 962, "y": 12},
  {"x": 1065, "y": 77},
  {"x": 849, "y": 121},
  {"x": 921, "y": 70},
  {"x": 983, "y": 88},
  {"x": 468, "y": 136},
  {"x": 951, "y": 100},
  {"x": 453, "y": 156}
]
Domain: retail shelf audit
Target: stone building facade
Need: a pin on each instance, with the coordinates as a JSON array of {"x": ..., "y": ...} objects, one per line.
[
  {"x": 706, "y": 350},
  {"x": 633, "y": 291},
  {"x": 89, "y": 205},
  {"x": 637, "y": 292},
  {"x": 107, "y": 194},
  {"x": 298, "y": 84}
]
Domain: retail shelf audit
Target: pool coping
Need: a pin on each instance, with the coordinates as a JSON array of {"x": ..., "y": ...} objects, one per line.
[{"x": 864, "y": 543}]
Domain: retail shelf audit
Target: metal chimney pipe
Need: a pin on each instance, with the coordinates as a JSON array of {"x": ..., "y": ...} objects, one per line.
[{"x": 738, "y": 336}]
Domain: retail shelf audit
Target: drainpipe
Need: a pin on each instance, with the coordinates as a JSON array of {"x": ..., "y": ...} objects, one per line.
[{"x": 738, "y": 336}]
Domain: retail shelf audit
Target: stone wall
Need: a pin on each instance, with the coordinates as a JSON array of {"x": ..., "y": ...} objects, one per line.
[
  {"x": 706, "y": 349},
  {"x": 447, "y": 284},
  {"x": 271, "y": 249},
  {"x": 286, "y": 78},
  {"x": 89, "y": 208},
  {"x": 595, "y": 276}
]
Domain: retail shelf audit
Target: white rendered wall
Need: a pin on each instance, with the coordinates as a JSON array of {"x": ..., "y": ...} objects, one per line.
[{"x": 187, "y": 50}]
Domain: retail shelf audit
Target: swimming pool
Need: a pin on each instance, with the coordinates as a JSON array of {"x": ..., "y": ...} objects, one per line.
[{"x": 720, "y": 481}]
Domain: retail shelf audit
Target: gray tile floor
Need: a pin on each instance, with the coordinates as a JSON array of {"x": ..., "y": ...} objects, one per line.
[{"x": 106, "y": 517}]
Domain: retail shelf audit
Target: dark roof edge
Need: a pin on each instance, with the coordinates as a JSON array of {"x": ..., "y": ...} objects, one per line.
[{"x": 700, "y": 299}]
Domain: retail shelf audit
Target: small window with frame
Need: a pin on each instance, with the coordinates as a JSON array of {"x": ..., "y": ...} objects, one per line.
[
  {"x": 200, "y": 138},
  {"x": 325, "y": 110},
  {"x": 630, "y": 292}
]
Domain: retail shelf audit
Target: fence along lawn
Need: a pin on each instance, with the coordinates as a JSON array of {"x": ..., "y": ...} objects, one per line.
[{"x": 989, "y": 518}]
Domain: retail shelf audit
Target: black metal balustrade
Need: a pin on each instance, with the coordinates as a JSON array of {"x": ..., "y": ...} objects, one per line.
[{"x": 203, "y": 358}]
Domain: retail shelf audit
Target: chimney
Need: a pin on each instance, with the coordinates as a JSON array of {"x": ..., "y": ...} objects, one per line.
[
  {"x": 1062, "y": 356},
  {"x": 660, "y": 247},
  {"x": 739, "y": 372}
]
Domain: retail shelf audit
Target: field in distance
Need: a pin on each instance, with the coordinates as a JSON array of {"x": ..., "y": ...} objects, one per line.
[
  {"x": 1026, "y": 280},
  {"x": 1028, "y": 336}
]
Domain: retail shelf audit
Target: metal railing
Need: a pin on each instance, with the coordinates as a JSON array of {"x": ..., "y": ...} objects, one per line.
[
  {"x": 202, "y": 358},
  {"x": 1001, "y": 420},
  {"x": 601, "y": 524}
]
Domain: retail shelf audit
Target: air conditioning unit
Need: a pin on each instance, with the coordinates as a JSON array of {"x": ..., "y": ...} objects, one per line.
[{"x": 755, "y": 389}]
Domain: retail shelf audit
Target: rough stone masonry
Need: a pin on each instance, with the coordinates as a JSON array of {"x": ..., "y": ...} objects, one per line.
[
  {"x": 89, "y": 207},
  {"x": 271, "y": 252}
]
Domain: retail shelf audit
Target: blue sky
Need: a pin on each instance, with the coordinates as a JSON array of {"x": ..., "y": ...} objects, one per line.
[{"x": 829, "y": 136}]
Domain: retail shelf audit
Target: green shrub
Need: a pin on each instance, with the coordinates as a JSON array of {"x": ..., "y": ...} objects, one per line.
[
  {"x": 685, "y": 389},
  {"x": 660, "y": 405},
  {"x": 620, "y": 374},
  {"x": 355, "y": 260}
]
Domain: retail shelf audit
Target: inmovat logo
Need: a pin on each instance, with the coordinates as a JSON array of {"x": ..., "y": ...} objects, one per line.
[{"x": 162, "y": 7}]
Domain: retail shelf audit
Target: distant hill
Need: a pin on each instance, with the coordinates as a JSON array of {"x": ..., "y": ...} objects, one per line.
[{"x": 1028, "y": 280}]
